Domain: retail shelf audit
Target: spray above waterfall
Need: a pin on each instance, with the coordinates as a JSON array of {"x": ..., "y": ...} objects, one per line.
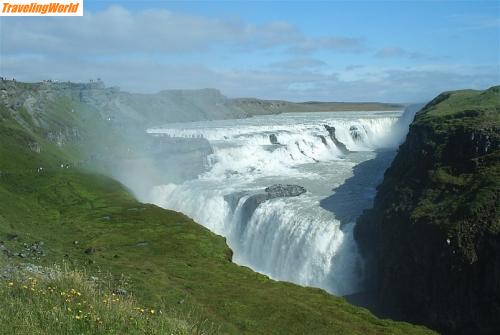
[{"x": 289, "y": 238}]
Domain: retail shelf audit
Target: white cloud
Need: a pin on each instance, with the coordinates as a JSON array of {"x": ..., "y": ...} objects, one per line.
[
  {"x": 118, "y": 30},
  {"x": 299, "y": 63},
  {"x": 341, "y": 44},
  {"x": 360, "y": 84},
  {"x": 153, "y": 50},
  {"x": 353, "y": 67},
  {"x": 397, "y": 52}
]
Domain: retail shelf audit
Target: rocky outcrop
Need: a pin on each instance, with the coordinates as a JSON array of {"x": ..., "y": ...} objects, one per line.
[
  {"x": 432, "y": 238},
  {"x": 356, "y": 133},
  {"x": 33, "y": 250},
  {"x": 283, "y": 191},
  {"x": 63, "y": 136},
  {"x": 341, "y": 146},
  {"x": 273, "y": 139},
  {"x": 253, "y": 201}
]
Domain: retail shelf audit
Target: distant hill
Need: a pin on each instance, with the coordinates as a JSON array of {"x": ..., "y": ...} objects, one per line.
[{"x": 122, "y": 107}]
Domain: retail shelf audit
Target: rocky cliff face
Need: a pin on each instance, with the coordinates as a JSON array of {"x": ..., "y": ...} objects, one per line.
[{"x": 432, "y": 239}]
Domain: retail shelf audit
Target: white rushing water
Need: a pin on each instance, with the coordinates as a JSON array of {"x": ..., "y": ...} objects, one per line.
[{"x": 306, "y": 239}]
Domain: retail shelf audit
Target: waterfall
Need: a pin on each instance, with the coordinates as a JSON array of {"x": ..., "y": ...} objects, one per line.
[{"x": 286, "y": 238}]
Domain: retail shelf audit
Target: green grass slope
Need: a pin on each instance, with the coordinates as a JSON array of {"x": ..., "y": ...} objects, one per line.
[
  {"x": 94, "y": 224},
  {"x": 63, "y": 301}
]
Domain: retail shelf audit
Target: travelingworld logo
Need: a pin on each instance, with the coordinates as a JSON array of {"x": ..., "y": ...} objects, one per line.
[{"x": 41, "y": 8}]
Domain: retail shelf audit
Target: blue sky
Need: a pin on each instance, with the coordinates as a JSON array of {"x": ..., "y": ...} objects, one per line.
[{"x": 401, "y": 51}]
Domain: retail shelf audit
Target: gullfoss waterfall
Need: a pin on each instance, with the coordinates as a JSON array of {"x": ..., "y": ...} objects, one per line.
[{"x": 306, "y": 238}]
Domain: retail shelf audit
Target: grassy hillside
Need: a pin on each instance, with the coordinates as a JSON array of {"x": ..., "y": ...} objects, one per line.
[
  {"x": 63, "y": 301},
  {"x": 54, "y": 211}
]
